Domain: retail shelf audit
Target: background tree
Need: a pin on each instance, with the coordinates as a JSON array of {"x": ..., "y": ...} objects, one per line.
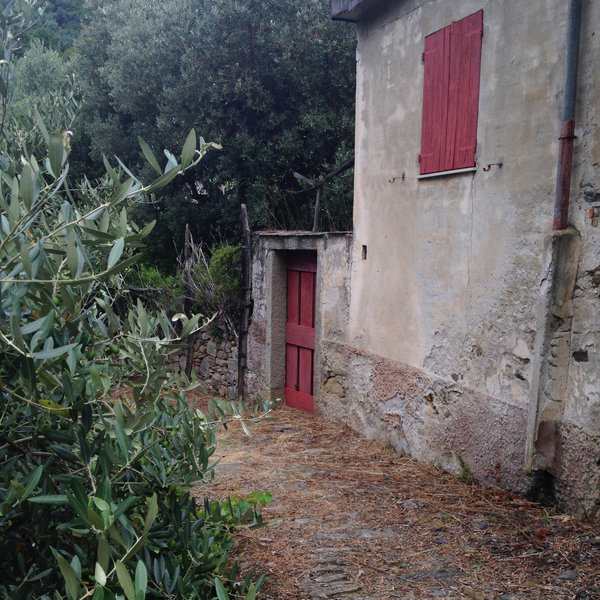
[
  {"x": 40, "y": 71},
  {"x": 60, "y": 23},
  {"x": 273, "y": 80},
  {"x": 36, "y": 87}
]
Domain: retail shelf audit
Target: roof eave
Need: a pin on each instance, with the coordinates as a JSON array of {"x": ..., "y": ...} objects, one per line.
[{"x": 349, "y": 10}]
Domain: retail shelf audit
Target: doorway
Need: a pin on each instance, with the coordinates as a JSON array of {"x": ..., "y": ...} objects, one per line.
[{"x": 301, "y": 278}]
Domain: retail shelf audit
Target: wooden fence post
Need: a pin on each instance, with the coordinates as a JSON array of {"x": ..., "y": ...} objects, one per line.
[
  {"x": 247, "y": 306},
  {"x": 187, "y": 297}
]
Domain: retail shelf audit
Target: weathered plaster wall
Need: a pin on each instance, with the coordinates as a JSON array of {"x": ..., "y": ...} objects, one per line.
[
  {"x": 453, "y": 243},
  {"x": 425, "y": 416},
  {"x": 579, "y": 441},
  {"x": 434, "y": 328},
  {"x": 443, "y": 309}
]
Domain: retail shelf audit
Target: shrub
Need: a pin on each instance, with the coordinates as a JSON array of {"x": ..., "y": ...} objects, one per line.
[
  {"x": 164, "y": 292},
  {"x": 215, "y": 284},
  {"x": 94, "y": 484},
  {"x": 93, "y": 487}
]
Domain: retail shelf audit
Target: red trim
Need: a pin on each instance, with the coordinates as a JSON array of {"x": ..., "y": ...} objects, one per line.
[
  {"x": 563, "y": 175},
  {"x": 435, "y": 101},
  {"x": 466, "y": 72}
]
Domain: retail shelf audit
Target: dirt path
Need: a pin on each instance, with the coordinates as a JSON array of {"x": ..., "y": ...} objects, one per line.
[{"x": 351, "y": 519}]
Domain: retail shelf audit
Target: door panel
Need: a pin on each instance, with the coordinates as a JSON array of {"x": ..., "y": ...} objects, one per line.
[
  {"x": 300, "y": 330},
  {"x": 307, "y": 299},
  {"x": 291, "y": 366},
  {"x": 293, "y": 296},
  {"x": 305, "y": 370}
]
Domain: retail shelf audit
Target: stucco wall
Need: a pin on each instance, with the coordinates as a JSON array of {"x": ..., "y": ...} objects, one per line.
[
  {"x": 443, "y": 313},
  {"x": 453, "y": 243},
  {"x": 454, "y": 324}
]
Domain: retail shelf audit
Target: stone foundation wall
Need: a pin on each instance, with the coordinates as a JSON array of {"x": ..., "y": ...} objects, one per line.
[
  {"x": 215, "y": 365},
  {"x": 444, "y": 422},
  {"x": 432, "y": 419}
]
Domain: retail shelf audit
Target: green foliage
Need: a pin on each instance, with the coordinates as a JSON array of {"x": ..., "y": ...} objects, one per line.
[
  {"x": 99, "y": 484},
  {"x": 94, "y": 484},
  {"x": 116, "y": 498},
  {"x": 465, "y": 474},
  {"x": 273, "y": 80},
  {"x": 238, "y": 510},
  {"x": 59, "y": 25},
  {"x": 165, "y": 292},
  {"x": 37, "y": 95},
  {"x": 337, "y": 195},
  {"x": 217, "y": 284},
  {"x": 225, "y": 269},
  {"x": 40, "y": 71}
]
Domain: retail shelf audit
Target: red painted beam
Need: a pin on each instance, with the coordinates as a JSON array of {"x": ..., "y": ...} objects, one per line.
[{"x": 300, "y": 335}]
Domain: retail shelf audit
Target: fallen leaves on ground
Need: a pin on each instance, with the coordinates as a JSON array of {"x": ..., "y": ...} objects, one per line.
[{"x": 391, "y": 527}]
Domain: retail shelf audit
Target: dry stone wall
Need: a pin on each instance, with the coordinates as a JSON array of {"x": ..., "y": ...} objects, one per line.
[{"x": 215, "y": 365}]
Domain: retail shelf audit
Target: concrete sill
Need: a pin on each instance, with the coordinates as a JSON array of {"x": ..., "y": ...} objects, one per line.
[{"x": 443, "y": 173}]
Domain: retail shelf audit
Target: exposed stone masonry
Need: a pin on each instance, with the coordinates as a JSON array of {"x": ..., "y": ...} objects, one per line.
[{"x": 215, "y": 365}]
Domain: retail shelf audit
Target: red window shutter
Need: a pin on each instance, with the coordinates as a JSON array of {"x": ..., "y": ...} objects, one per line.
[
  {"x": 451, "y": 96},
  {"x": 466, "y": 56},
  {"x": 435, "y": 101}
]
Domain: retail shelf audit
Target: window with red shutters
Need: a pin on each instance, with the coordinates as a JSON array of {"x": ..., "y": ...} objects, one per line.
[{"x": 451, "y": 96}]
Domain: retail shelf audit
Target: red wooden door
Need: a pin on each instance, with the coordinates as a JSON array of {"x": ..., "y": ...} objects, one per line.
[{"x": 300, "y": 330}]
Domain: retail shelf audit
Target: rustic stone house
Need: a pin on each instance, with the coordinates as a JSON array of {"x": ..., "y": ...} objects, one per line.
[{"x": 455, "y": 322}]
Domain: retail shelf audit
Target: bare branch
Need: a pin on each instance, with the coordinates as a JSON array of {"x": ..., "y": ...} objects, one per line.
[{"x": 322, "y": 180}]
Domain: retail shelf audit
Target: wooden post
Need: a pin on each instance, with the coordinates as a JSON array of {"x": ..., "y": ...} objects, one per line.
[
  {"x": 187, "y": 296},
  {"x": 316, "y": 221},
  {"x": 247, "y": 306},
  {"x": 317, "y": 184}
]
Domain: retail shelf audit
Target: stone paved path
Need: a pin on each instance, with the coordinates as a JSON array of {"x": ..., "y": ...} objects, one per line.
[{"x": 352, "y": 520}]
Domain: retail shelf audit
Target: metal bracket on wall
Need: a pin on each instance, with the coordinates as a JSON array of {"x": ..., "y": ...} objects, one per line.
[
  {"x": 490, "y": 165},
  {"x": 400, "y": 177}
]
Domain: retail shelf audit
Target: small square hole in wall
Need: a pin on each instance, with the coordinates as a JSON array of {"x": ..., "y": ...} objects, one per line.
[{"x": 364, "y": 252}]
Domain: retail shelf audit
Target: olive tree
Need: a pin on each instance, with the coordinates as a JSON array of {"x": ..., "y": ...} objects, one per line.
[{"x": 97, "y": 452}]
